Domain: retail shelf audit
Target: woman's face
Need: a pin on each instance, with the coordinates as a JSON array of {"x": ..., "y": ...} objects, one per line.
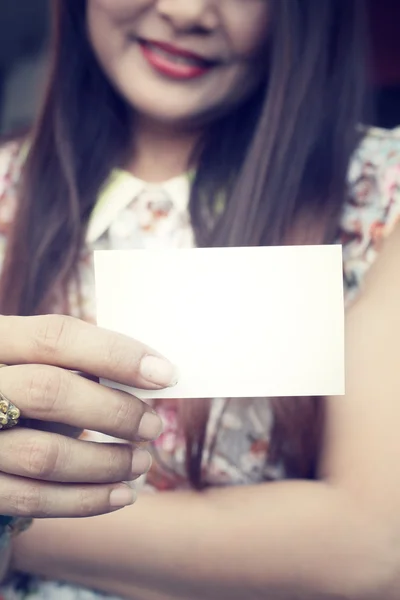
[{"x": 180, "y": 61}]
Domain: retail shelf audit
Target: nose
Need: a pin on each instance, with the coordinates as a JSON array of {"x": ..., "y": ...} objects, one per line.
[{"x": 186, "y": 15}]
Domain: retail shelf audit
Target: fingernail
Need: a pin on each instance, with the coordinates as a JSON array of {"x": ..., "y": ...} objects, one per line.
[
  {"x": 150, "y": 427},
  {"x": 122, "y": 496},
  {"x": 158, "y": 371},
  {"x": 141, "y": 462}
]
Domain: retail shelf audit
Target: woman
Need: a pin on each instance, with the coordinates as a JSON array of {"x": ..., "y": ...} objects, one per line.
[{"x": 258, "y": 101}]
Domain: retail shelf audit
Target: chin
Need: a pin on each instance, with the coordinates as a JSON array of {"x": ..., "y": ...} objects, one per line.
[{"x": 172, "y": 114}]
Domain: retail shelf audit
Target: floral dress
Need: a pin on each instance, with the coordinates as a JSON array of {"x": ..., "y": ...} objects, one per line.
[{"x": 132, "y": 214}]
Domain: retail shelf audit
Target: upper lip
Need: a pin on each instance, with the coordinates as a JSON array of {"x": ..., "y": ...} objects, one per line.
[{"x": 177, "y": 51}]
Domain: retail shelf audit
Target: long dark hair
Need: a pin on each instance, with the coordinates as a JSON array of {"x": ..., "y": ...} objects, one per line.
[{"x": 280, "y": 162}]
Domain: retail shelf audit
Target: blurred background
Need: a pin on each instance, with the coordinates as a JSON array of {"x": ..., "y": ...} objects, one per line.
[{"x": 24, "y": 33}]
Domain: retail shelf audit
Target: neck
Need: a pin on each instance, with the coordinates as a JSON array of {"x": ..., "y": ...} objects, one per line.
[{"x": 161, "y": 152}]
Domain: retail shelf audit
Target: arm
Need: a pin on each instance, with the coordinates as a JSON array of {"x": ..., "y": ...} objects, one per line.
[
  {"x": 238, "y": 543},
  {"x": 336, "y": 538}
]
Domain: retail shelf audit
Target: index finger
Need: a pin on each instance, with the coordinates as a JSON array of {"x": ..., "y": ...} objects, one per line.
[{"x": 72, "y": 344}]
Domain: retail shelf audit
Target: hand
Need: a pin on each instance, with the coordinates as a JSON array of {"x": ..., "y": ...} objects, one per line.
[{"x": 44, "y": 473}]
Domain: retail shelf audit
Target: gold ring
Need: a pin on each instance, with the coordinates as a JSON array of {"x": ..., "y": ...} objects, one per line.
[{"x": 9, "y": 413}]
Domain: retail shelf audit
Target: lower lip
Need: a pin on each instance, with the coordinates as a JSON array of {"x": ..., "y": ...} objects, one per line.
[{"x": 170, "y": 68}]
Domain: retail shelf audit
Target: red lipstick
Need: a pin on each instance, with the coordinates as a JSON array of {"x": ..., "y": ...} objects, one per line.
[{"x": 174, "y": 62}]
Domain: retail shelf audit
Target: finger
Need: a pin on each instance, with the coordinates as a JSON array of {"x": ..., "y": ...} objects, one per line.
[
  {"x": 73, "y": 344},
  {"x": 52, "y": 457},
  {"x": 51, "y": 394},
  {"x": 21, "y": 497}
]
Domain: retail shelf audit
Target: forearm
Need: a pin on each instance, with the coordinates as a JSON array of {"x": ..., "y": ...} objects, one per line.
[{"x": 294, "y": 539}]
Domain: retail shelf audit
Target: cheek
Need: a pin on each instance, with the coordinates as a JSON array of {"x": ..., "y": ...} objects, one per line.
[
  {"x": 248, "y": 30},
  {"x": 101, "y": 33},
  {"x": 107, "y": 22},
  {"x": 118, "y": 9}
]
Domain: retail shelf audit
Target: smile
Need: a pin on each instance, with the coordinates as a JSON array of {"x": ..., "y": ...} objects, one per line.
[{"x": 173, "y": 62}]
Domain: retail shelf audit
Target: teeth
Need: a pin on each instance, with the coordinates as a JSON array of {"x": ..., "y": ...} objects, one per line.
[{"x": 180, "y": 60}]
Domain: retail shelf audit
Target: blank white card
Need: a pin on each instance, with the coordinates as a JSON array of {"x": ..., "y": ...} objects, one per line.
[{"x": 237, "y": 322}]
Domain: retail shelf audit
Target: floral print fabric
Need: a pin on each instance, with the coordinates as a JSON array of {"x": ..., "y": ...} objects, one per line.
[{"x": 131, "y": 214}]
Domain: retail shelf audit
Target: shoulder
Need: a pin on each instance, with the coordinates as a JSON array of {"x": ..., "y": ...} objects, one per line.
[
  {"x": 373, "y": 206},
  {"x": 10, "y": 162},
  {"x": 12, "y": 156}
]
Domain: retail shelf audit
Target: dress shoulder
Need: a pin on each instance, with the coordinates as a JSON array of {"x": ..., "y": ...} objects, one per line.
[{"x": 373, "y": 207}]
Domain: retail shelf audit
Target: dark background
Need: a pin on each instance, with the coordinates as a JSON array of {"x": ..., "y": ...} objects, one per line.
[{"x": 24, "y": 27}]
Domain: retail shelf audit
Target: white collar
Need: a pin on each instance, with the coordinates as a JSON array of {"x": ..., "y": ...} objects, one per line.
[{"x": 121, "y": 189}]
